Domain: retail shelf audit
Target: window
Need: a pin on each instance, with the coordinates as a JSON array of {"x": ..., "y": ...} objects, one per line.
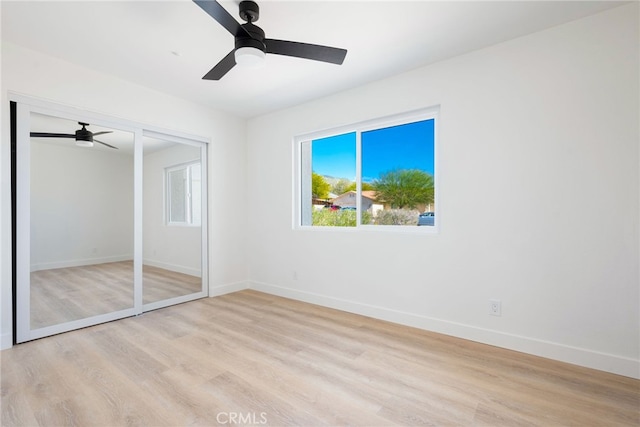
[
  {"x": 184, "y": 194},
  {"x": 374, "y": 174}
]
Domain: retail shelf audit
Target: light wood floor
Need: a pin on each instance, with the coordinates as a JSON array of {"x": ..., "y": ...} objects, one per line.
[
  {"x": 65, "y": 294},
  {"x": 257, "y": 359}
]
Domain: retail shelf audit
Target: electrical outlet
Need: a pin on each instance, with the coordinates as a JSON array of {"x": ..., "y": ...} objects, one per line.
[{"x": 495, "y": 307}]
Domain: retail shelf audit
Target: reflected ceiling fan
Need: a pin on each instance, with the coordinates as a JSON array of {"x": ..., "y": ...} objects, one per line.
[
  {"x": 251, "y": 46},
  {"x": 84, "y": 137}
]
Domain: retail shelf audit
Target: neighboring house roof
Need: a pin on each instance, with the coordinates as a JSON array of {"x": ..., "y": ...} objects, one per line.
[
  {"x": 316, "y": 201},
  {"x": 370, "y": 195}
]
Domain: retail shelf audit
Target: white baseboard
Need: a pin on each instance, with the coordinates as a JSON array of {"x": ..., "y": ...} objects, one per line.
[
  {"x": 551, "y": 350},
  {"x": 6, "y": 341},
  {"x": 216, "y": 291},
  {"x": 79, "y": 262}
]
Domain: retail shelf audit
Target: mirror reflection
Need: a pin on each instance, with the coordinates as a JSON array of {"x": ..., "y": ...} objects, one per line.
[
  {"x": 81, "y": 207},
  {"x": 172, "y": 220}
]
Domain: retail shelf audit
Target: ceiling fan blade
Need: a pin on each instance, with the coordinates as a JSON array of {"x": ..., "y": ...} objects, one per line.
[
  {"x": 102, "y": 133},
  {"x": 51, "y": 135},
  {"x": 222, "y": 67},
  {"x": 220, "y": 14},
  {"x": 305, "y": 50},
  {"x": 104, "y": 143}
]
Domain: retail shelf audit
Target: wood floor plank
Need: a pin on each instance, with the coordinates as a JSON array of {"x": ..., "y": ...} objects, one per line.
[
  {"x": 16, "y": 410},
  {"x": 249, "y": 358}
]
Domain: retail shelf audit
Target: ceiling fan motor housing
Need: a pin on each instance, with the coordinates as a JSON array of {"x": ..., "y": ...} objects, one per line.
[
  {"x": 84, "y": 134},
  {"x": 256, "y": 40}
]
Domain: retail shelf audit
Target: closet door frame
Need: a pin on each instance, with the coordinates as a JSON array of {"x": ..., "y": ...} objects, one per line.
[{"x": 24, "y": 106}]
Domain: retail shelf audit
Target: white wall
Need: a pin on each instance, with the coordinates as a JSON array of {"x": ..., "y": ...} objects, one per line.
[
  {"x": 81, "y": 206},
  {"x": 30, "y": 73},
  {"x": 176, "y": 248},
  {"x": 539, "y": 187}
]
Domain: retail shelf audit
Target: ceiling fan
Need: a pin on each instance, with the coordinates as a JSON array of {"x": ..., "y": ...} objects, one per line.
[
  {"x": 251, "y": 44},
  {"x": 84, "y": 137}
]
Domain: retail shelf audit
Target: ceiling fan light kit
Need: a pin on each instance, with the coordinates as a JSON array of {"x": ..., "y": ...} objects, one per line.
[
  {"x": 251, "y": 45},
  {"x": 249, "y": 57},
  {"x": 81, "y": 143}
]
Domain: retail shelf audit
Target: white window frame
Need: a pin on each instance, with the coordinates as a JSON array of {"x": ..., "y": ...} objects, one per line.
[
  {"x": 188, "y": 196},
  {"x": 369, "y": 125}
]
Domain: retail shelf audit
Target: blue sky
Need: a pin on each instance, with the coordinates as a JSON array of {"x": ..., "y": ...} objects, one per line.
[
  {"x": 335, "y": 156},
  {"x": 408, "y": 146}
]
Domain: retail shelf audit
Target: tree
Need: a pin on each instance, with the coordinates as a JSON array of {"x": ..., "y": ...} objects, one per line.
[
  {"x": 405, "y": 188},
  {"x": 341, "y": 186},
  {"x": 319, "y": 187}
]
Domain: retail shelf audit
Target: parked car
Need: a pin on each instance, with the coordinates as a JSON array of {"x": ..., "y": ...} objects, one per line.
[
  {"x": 332, "y": 207},
  {"x": 426, "y": 218},
  {"x": 348, "y": 208}
]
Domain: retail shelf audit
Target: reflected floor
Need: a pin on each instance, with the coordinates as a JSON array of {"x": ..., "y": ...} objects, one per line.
[{"x": 65, "y": 294}]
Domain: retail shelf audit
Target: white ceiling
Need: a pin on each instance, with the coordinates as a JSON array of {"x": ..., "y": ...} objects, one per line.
[{"x": 170, "y": 45}]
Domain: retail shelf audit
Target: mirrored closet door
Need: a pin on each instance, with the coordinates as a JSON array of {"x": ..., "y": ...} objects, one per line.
[
  {"x": 81, "y": 222},
  {"x": 173, "y": 203},
  {"x": 110, "y": 219}
]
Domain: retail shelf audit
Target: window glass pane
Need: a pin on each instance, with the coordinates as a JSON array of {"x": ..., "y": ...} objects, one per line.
[
  {"x": 177, "y": 192},
  {"x": 398, "y": 175},
  {"x": 395, "y": 182},
  {"x": 329, "y": 183}
]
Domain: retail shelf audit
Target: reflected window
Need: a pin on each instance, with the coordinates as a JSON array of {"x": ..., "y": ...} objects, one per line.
[{"x": 184, "y": 194}]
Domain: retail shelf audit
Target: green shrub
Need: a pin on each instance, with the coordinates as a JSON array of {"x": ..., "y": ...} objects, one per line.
[
  {"x": 397, "y": 217},
  {"x": 339, "y": 218}
]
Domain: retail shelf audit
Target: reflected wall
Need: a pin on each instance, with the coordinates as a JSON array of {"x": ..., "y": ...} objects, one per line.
[
  {"x": 81, "y": 228},
  {"x": 172, "y": 220}
]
